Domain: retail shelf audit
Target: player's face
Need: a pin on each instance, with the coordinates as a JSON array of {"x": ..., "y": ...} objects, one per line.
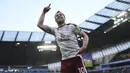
[{"x": 59, "y": 17}]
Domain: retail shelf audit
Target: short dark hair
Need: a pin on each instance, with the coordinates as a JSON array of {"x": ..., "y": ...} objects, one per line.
[{"x": 59, "y": 12}]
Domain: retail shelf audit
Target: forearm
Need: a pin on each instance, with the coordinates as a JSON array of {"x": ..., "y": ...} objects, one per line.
[{"x": 41, "y": 19}]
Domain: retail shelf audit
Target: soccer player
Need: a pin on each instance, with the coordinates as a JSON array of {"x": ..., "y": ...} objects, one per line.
[{"x": 66, "y": 38}]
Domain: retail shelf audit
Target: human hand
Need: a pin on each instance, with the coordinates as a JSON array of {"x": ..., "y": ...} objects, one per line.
[
  {"x": 81, "y": 50},
  {"x": 47, "y": 8}
]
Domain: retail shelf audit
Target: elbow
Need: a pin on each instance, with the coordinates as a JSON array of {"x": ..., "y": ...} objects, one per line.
[
  {"x": 85, "y": 36},
  {"x": 86, "y": 40},
  {"x": 39, "y": 25}
]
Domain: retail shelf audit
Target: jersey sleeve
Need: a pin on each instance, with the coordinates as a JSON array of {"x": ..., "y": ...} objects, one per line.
[
  {"x": 48, "y": 29},
  {"x": 76, "y": 29}
]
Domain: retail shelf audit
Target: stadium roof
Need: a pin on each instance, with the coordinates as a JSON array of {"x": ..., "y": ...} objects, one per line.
[
  {"x": 25, "y": 36},
  {"x": 92, "y": 23},
  {"x": 105, "y": 14}
]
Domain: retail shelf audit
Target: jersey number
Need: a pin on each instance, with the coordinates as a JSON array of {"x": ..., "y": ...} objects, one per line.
[{"x": 82, "y": 70}]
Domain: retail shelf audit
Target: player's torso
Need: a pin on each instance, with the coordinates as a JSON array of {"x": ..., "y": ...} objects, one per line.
[
  {"x": 64, "y": 33},
  {"x": 67, "y": 41}
]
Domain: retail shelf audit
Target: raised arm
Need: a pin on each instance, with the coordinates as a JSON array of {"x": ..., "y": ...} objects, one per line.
[{"x": 40, "y": 23}]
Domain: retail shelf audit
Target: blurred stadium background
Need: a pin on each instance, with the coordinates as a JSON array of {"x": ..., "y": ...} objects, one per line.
[{"x": 108, "y": 50}]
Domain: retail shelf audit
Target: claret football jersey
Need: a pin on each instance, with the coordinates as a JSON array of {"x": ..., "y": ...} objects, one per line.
[{"x": 66, "y": 38}]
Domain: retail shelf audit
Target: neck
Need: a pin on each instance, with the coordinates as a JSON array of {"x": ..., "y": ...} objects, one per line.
[{"x": 60, "y": 25}]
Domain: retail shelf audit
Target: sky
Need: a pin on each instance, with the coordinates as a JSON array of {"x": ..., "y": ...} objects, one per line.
[{"x": 23, "y": 15}]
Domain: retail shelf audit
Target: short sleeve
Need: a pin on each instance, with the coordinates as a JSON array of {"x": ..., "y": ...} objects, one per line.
[{"x": 76, "y": 29}]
